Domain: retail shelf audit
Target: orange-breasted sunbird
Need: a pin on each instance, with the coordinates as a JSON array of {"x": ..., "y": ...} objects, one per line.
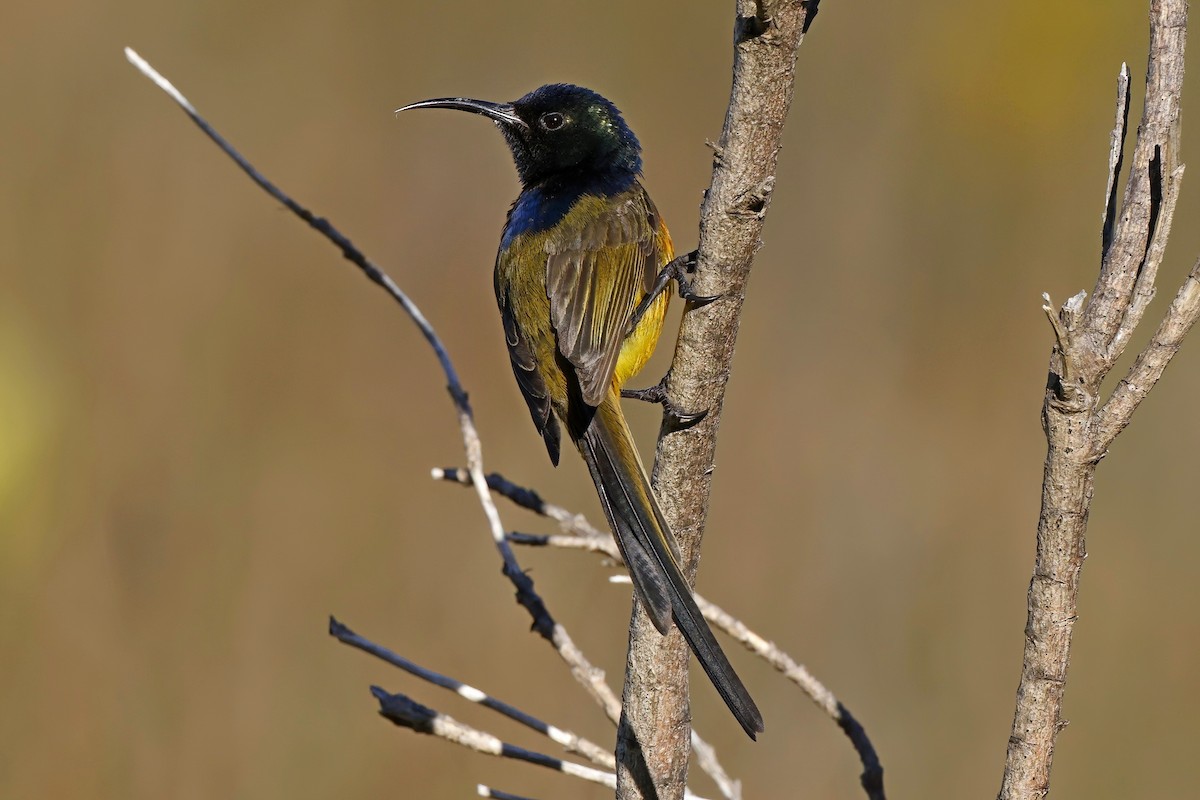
[{"x": 583, "y": 246}]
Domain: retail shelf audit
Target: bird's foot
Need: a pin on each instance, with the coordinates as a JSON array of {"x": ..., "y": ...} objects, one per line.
[
  {"x": 681, "y": 270},
  {"x": 658, "y": 394}
]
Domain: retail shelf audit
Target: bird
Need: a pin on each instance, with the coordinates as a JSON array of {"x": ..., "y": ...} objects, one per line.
[{"x": 579, "y": 277}]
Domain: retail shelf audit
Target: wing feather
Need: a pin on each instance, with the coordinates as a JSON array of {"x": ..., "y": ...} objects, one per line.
[
  {"x": 595, "y": 277},
  {"x": 529, "y": 379}
]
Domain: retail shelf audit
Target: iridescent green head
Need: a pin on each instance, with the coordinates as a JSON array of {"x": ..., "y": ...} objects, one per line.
[{"x": 558, "y": 132}]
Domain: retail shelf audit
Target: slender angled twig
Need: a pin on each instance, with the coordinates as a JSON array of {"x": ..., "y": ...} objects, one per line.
[
  {"x": 471, "y": 442},
  {"x": 872, "y": 775},
  {"x": 407, "y": 713},
  {"x": 590, "y": 677},
  {"x": 569, "y": 522},
  {"x": 1151, "y": 362},
  {"x": 564, "y": 541},
  {"x": 571, "y": 742}
]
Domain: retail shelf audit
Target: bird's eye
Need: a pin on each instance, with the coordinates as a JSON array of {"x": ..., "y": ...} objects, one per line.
[{"x": 551, "y": 121}]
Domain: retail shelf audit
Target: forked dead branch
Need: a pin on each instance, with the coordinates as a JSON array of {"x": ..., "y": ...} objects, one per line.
[{"x": 1090, "y": 335}]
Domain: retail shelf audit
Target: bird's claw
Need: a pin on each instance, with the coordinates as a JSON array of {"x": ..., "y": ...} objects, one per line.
[
  {"x": 679, "y": 270},
  {"x": 658, "y": 394},
  {"x": 683, "y": 270},
  {"x": 685, "y": 291}
]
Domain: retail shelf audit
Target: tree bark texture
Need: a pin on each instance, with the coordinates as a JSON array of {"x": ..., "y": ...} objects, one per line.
[{"x": 653, "y": 738}]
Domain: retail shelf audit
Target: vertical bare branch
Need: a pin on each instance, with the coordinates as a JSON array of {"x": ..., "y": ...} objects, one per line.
[
  {"x": 652, "y": 743},
  {"x": 1088, "y": 340}
]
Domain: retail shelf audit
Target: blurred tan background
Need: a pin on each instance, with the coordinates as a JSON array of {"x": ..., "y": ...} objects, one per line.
[{"x": 213, "y": 432}]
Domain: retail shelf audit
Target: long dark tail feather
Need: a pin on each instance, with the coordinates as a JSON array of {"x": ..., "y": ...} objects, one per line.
[{"x": 650, "y": 552}]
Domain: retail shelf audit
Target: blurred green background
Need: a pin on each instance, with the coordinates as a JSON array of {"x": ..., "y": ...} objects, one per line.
[{"x": 213, "y": 432}]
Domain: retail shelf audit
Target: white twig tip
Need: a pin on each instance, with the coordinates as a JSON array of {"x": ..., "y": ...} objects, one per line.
[
  {"x": 471, "y": 693},
  {"x": 150, "y": 72},
  {"x": 558, "y": 735}
]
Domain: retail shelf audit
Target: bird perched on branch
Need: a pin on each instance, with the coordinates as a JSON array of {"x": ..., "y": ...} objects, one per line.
[{"x": 579, "y": 279}]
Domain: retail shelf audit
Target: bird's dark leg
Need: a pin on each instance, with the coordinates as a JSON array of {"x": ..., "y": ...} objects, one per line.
[
  {"x": 679, "y": 270},
  {"x": 658, "y": 394}
]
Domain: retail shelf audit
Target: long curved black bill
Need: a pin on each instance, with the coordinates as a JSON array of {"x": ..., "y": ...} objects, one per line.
[{"x": 502, "y": 113}]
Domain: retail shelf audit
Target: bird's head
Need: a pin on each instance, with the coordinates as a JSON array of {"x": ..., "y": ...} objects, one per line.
[{"x": 558, "y": 132}]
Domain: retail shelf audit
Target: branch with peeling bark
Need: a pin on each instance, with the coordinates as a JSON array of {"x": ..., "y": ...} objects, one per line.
[{"x": 1090, "y": 335}]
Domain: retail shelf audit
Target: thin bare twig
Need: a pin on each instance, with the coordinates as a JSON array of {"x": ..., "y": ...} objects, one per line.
[
  {"x": 569, "y": 522},
  {"x": 571, "y": 742},
  {"x": 590, "y": 677},
  {"x": 1151, "y": 362},
  {"x": 872, "y": 775},
  {"x": 563, "y": 541},
  {"x": 407, "y": 713},
  {"x": 471, "y": 442}
]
